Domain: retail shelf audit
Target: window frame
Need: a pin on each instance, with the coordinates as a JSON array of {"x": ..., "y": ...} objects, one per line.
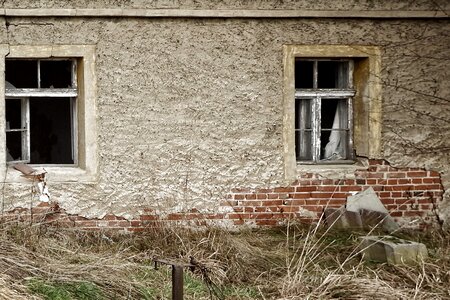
[
  {"x": 24, "y": 94},
  {"x": 367, "y": 117},
  {"x": 316, "y": 95},
  {"x": 86, "y": 169}
]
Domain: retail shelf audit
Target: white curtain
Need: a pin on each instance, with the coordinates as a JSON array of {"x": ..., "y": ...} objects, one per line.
[{"x": 334, "y": 149}]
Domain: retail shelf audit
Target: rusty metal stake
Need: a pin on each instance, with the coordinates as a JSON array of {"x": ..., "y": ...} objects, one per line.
[
  {"x": 177, "y": 282},
  {"x": 177, "y": 276}
]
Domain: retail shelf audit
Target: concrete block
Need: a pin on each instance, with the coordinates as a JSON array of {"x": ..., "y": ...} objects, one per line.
[
  {"x": 366, "y": 199},
  {"x": 384, "y": 221},
  {"x": 341, "y": 218},
  {"x": 392, "y": 250}
]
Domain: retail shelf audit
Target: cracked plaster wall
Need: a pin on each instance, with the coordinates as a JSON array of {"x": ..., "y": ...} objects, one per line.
[
  {"x": 234, "y": 4},
  {"x": 190, "y": 108}
]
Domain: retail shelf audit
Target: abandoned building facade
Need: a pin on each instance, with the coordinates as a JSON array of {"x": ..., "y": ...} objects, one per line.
[{"x": 226, "y": 113}]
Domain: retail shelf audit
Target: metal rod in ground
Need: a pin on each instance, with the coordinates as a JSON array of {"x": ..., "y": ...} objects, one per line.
[{"x": 177, "y": 282}]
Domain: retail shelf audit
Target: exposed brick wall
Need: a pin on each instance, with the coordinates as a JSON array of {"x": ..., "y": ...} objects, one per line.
[{"x": 408, "y": 193}]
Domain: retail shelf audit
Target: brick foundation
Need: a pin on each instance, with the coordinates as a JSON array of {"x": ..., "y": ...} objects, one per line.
[{"x": 408, "y": 193}]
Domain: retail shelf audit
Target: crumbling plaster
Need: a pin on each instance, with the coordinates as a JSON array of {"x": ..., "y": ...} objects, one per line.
[
  {"x": 188, "y": 109},
  {"x": 234, "y": 4}
]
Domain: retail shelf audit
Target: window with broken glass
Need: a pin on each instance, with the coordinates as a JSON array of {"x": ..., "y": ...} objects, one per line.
[
  {"x": 40, "y": 111},
  {"x": 323, "y": 111}
]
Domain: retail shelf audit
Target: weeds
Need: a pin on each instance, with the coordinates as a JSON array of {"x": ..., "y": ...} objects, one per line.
[{"x": 290, "y": 263}]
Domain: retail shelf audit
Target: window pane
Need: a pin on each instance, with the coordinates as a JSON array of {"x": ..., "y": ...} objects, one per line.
[
  {"x": 332, "y": 74},
  {"x": 50, "y": 131},
  {"x": 303, "y": 145},
  {"x": 21, "y": 73},
  {"x": 303, "y": 127},
  {"x": 56, "y": 73},
  {"x": 334, "y": 127},
  {"x": 13, "y": 108},
  {"x": 304, "y": 74},
  {"x": 14, "y": 145}
]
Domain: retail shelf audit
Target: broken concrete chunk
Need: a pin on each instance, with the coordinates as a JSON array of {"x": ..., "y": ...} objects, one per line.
[
  {"x": 341, "y": 218},
  {"x": 373, "y": 219},
  {"x": 372, "y": 211},
  {"x": 392, "y": 250},
  {"x": 366, "y": 199}
]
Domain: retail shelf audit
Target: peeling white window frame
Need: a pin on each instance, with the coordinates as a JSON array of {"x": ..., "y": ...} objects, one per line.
[
  {"x": 86, "y": 169},
  {"x": 316, "y": 95},
  {"x": 24, "y": 94},
  {"x": 367, "y": 106}
]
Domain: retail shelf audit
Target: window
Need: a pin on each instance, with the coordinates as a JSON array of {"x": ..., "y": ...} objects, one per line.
[
  {"x": 331, "y": 107},
  {"x": 48, "y": 107},
  {"x": 323, "y": 110},
  {"x": 40, "y": 111}
]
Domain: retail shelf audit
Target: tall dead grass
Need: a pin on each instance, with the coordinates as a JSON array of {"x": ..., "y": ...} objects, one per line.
[{"x": 289, "y": 263}]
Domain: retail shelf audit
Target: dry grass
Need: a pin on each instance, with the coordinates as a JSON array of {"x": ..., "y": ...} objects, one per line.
[{"x": 292, "y": 263}]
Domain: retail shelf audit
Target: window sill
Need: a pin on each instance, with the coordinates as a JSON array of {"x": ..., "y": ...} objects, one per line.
[
  {"x": 334, "y": 170},
  {"x": 54, "y": 174}
]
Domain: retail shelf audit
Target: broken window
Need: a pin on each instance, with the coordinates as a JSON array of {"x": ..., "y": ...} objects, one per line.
[
  {"x": 40, "y": 111},
  {"x": 323, "y": 110}
]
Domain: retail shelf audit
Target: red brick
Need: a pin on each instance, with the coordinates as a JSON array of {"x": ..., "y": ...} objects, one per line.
[
  {"x": 239, "y": 222},
  {"x": 264, "y": 191},
  {"x": 375, "y": 175},
  {"x": 120, "y": 223},
  {"x": 388, "y": 201},
  {"x": 340, "y": 195},
  {"x": 86, "y": 223},
  {"x": 350, "y": 188},
  {"x": 284, "y": 189},
  {"x": 403, "y": 201},
  {"x": 266, "y": 222},
  {"x": 261, "y": 196},
  {"x": 295, "y": 202},
  {"x": 412, "y": 214},
  {"x": 384, "y": 194},
  {"x": 135, "y": 229},
  {"x": 331, "y": 202},
  {"x": 321, "y": 195},
  {"x": 329, "y": 188},
  {"x": 175, "y": 217},
  {"x": 426, "y": 206},
  {"x": 289, "y": 208},
  {"x": 329, "y": 182},
  {"x": 371, "y": 181},
  {"x": 316, "y": 208},
  {"x": 262, "y": 216},
  {"x": 431, "y": 180},
  {"x": 417, "y": 180},
  {"x": 301, "y": 195},
  {"x": 135, "y": 223},
  {"x": 215, "y": 216},
  {"x": 250, "y": 196},
  {"x": 429, "y": 187},
  {"x": 251, "y": 203},
  {"x": 417, "y": 174},
  {"x": 239, "y": 196},
  {"x": 374, "y": 162},
  {"x": 433, "y": 174},
  {"x": 272, "y": 202},
  {"x": 396, "y": 175},
  {"x": 377, "y": 188},
  {"x": 272, "y": 196},
  {"x": 238, "y": 216},
  {"x": 301, "y": 189},
  {"x": 148, "y": 217},
  {"x": 396, "y": 213}
]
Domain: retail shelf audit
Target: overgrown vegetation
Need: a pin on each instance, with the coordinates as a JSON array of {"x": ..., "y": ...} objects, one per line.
[{"x": 39, "y": 262}]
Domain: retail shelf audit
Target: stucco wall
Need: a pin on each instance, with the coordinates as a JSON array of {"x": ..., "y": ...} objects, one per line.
[
  {"x": 190, "y": 108},
  {"x": 234, "y": 4}
]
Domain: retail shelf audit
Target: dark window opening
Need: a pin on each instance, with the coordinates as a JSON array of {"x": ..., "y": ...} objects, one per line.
[
  {"x": 56, "y": 74},
  {"x": 304, "y": 74},
  {"x": 332, "y": 74},
  {"x": 50, "y": 131},
  {"x": 21, "y": 73}
]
